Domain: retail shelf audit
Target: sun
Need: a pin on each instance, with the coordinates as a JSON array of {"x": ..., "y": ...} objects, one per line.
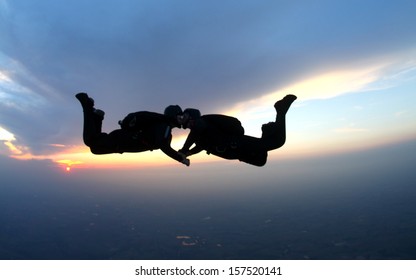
[{"x": 67, "y": 163}]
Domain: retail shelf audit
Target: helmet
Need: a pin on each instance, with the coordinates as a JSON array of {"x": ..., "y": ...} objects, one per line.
[
  {"x": 172, "y": 111},
  {"x": 188, "y": 117},
  {"x": 192, "y": 113}
]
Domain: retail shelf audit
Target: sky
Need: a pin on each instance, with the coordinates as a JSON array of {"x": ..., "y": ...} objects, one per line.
[
  {"x": 351, "y": 64},
  {"x": 350, "y": 134}
]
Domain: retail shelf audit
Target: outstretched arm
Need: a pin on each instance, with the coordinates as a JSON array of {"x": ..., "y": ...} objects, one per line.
[
  {"x": 169, "y": 151},
  {"x": 194, "y": 150},
  {"x": 193, "y": 138},
  {"x": 165, "y": 146},
  {"x": 190, "y": 140}
]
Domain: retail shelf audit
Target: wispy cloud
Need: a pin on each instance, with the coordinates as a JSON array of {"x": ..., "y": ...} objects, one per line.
[
  {"x": 350, "y": 129},
  {"x": 400, "y": 114},
  {"x": 17, "y": 151},
  {"x": 335, "y": 83},
  {"x": 6, "y": 135},
  {"x": 19, "y": 89}
]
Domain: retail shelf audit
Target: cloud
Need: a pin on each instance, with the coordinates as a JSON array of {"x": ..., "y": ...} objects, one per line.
[
  {"x": 206, "y": 53},
  {"x": 350, "y": 129},
  {"x": 15, "y": 96},
  {"x": 5, "y": 135},
  {"x": 217, "y": 56},
  {"x": 385, "y": 73},
  {"x": 16, "y": 151},
  {"x": 9, "y": 145}
]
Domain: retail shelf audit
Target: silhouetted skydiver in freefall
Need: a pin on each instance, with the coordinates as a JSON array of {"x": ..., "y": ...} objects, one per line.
[
  {"x": 224, "y": 136},
  {"x": 139, "y": 132}
]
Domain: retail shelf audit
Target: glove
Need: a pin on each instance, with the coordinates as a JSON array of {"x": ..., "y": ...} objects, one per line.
[
  {"x": 186, "y": 161},
  {"x": 184, "y": 153}
]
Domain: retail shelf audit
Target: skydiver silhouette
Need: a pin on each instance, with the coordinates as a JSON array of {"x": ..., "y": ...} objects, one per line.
[
  {"x": 140, "y": 131},
  {"x": 224, "y": 136}
]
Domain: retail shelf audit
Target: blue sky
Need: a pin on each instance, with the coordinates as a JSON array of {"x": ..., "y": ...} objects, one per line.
[{"x": 352, "y": 65}]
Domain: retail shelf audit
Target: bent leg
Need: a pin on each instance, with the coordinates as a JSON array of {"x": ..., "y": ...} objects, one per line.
[
  {"x": 104, "y": 143},
  {"x": 247, "y": 149},
  {"x": 252, "y": 151},
  {"x": 117, "y": 141},
  {"x": 274, "y": 133},
  {"x": 98, "y": 142},
  {"x": 257, "y": 159}
]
